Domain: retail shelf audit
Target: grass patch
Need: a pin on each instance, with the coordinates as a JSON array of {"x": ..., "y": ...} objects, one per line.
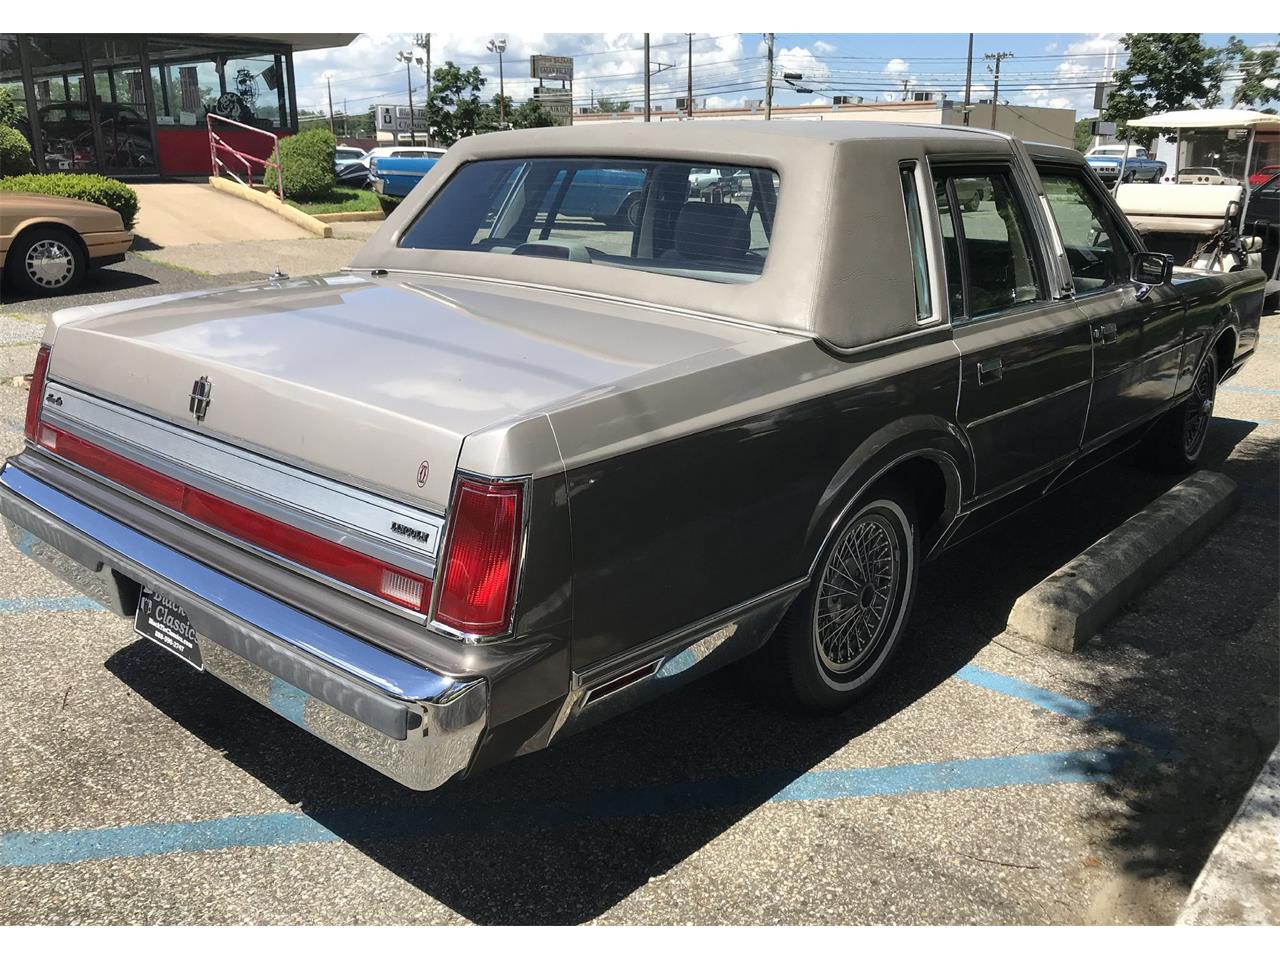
[{"x": 342, "y": 200}]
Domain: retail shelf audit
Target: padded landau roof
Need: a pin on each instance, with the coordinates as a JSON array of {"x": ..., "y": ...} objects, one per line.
[{"x": 839, "y": 264}]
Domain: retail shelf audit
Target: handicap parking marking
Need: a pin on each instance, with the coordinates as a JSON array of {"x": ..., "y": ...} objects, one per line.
[
  {"x": 34, "y": 849},
  {"x": 70, "y": 604},
  {"x": 1257, "y": 391}
]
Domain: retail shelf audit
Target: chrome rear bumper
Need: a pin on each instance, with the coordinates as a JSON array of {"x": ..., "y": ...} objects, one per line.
[{"x": 416, "y": 726}]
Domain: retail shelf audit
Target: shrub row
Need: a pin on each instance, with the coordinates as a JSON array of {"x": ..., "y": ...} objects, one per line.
[
  {"x": 15, "y": 152},
  {"x": 79, "y": 186},
  {"x": 308, "y": 165}
]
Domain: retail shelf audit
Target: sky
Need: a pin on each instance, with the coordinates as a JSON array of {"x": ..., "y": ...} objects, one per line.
[{"x": 1049, "y": 70}]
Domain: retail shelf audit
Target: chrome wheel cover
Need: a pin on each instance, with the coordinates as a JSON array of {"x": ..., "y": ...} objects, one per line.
[
  {"x": 50, "y": 264},
  {"x": 855, "y": 604},
  {"x": 1199, "y": 410}
]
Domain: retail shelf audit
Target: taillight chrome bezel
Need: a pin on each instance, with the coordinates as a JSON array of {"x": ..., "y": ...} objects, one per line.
[
  {"x": 35, "y": 395},
  {"x": 442, "y": 559}
]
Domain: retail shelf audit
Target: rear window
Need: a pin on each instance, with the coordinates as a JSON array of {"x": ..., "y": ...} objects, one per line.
[{"x": 661, "y": 216}]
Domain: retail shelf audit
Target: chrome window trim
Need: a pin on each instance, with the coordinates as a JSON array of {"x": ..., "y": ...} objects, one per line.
[
  {"x": 927, "y": 229},
  {"x": 307, "y": 500}
]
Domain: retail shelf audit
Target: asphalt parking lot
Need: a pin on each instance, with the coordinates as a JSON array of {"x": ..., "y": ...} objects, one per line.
[{"x": 990, "y": 781}]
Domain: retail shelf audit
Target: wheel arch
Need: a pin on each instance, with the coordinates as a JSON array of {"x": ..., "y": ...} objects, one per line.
[
  {"x": 927, "y": 455},
  {"x": 35, "y": 223},
  {"x": 1224, "y": 349}
]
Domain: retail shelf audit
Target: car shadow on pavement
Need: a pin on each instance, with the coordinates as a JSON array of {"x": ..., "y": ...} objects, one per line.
[
  {"x": 1198, "y": 654},
  {"x": 563, "y": 835},
  {"x": 104, "y": 280}
]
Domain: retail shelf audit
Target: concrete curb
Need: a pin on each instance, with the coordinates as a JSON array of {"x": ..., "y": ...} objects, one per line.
[
  {"x": 1071, "y": 604},
  {"x": 269, "y": 201},
  {"x": 349, "y": 216},
  {"x": 1240, "y": 882}
]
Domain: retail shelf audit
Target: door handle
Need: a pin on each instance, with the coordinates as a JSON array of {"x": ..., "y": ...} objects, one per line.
[
  {"x": 989, "y": 371},
  {"x": 1105, "y": 332}
]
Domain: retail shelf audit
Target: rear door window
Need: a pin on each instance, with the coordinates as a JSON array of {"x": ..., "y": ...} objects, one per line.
[
  {"x": 661, "y": 216},
  {"x": 989, "y": 243}
]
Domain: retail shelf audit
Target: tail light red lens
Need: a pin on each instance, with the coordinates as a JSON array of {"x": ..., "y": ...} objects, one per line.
[
  {"x": 482, "y": 561},
  {"x": 36, "y": 394},
  {"x": 316, "y": 553}
]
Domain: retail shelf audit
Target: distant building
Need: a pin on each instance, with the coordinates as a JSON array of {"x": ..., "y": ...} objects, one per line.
[
  {"x": 134, "y": 105},
  {"x": 1042, "y": 124}
]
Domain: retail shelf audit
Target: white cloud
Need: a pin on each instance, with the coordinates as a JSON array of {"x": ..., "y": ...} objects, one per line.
[
  {"x": 824, "y": 48},
  {"x": 896, "y": 67}
]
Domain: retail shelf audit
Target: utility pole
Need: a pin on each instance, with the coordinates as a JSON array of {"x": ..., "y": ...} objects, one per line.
[
  {"x": 995, "y": 90},
  {"x": 968, "y": 82},
  {"x": 646, "y": 78},
  {"x": 688, "y": 103},
  {"x": 768, "y": 81},
  {"x": 424, "y": 40}
]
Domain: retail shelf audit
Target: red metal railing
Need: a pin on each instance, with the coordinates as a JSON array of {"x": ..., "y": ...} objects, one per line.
[{"x": 217, "y": 145}]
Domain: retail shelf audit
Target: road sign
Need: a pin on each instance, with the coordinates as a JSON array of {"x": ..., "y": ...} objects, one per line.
[
  {"x": 557, "y": 101},
  {"x": 394, "y": 117},
  {"x": 551, "y": 68}
]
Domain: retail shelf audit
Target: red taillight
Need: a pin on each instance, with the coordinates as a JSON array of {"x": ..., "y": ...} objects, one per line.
[
  {"x": 482, "y": 560},
  {"x": 36, "y": 395},
  {"x": 316, "y": 553}
]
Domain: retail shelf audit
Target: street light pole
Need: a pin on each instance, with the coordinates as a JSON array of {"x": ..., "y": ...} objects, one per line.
[
  {"x": 406, "y": 57},
  {"x": 424, "y": 40},
  {"x": 768, "y": 81},
  {"x": 968, "y": 81},
  {"x": 328, "y": 82},
  {"x": 498, "y": 46}
]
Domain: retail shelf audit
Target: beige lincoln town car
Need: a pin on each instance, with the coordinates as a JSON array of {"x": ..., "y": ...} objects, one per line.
[{"x": 47, "y": 244}]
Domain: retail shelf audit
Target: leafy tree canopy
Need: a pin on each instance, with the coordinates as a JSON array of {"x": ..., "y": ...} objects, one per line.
[
  {"x": 1260, "y": 84},
  {"x": 454, "y": 109},
  {"x": 1165, "y": 72},
  {"x": 609, "y": 105}
]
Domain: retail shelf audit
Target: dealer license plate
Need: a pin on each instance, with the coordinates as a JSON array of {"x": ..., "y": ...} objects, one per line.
[{"x": 162, "y": 621}]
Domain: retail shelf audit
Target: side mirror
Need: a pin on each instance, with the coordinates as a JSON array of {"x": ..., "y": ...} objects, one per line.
[{"x": 1152, "y": 269}]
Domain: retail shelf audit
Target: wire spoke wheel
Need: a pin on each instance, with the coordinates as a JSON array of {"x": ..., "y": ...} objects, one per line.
[
  {"x": 854, "y": 605},
  {"x": 1199, "y": 410},
  {"x": 50, "y": 264}
]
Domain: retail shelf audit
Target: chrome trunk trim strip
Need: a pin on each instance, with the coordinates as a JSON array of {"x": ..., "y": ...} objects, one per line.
[{"x": 381, "y": 527}]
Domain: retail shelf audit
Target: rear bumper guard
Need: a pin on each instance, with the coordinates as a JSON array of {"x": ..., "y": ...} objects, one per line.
[{"x": 416, "y": 726}]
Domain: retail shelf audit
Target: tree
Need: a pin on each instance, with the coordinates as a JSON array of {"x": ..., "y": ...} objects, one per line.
[
  {"x": 1084, "y": 133},
  {"x": 608, "y": 105},
  {"x": 454, "y": 109},
  {"x": 1166, "y": 71},
  {"x": 1260, "y": 83}
]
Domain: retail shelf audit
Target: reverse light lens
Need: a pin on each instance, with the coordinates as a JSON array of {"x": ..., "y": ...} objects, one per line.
[
  {"x": 36, "y": 394},
  {"x": 316, "y": 553},
  {"x": 483, "y": 558}
]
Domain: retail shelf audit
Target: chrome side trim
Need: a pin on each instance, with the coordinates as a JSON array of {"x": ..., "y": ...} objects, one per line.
[
  {"x": 411, "y": 723},
  {"x": 290, "y": 494},
  {"x": 1029, "y": 403}
]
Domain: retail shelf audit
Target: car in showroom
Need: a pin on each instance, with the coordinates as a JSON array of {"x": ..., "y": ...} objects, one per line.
[
  {"x": 48, "y": 244},
  {"x": 511, "y": 473}
]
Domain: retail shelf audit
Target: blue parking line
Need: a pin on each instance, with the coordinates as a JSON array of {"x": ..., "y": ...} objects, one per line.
[
  {"x": 48, "y": 605},
  {"x": 1258, "y": 391},
  {"x": 1066, "y": 706},
  {"x": 284, "y": 829}
]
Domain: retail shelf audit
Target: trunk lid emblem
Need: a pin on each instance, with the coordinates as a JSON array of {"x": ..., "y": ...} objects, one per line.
[{"x": 201, "y": 391}]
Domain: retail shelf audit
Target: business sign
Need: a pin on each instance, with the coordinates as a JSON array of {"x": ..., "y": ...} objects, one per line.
[
  {"x": 394, "y": 118},
  {"x": 557, "y": 101},
  {"x": 551, "y": 68},
  {"x": 1101, "y": 94}
]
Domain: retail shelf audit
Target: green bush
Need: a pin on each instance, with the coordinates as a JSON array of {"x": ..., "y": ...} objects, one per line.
[
  {"x": 79, "y": 186},
  {"x": 308, "y": 165},
  {"x": 15, "y": 153}
]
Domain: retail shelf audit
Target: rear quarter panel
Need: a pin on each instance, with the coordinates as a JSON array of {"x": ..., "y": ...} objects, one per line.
[{"x": 735, "y": 476}]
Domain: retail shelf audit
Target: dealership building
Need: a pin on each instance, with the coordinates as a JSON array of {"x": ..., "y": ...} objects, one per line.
[{"x": 137, "y": 105}]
